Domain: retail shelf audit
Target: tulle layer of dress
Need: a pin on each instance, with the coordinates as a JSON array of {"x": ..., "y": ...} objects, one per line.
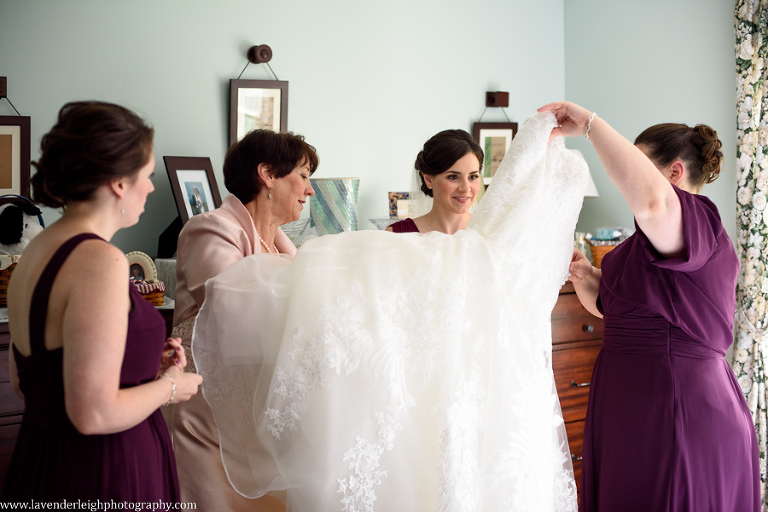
[{"x": 409, "y": 372}]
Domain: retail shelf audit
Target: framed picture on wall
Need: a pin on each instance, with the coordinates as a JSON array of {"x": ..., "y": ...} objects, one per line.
[
  {"x": 193, "y": 184},
  {"x": 14, "y": 155},
  {"x": 495, "y": 139},
  {"x": 257, "y": 104}
]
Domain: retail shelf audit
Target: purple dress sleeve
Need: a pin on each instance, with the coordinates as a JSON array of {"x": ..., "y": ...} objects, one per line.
[{"x": 696, "y": 292}]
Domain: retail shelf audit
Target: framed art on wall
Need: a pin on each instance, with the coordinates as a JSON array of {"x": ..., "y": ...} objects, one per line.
[
  {"x": 193, "y": 184},
  {"x": 257, "y": 104},
  {"x": 14, "y": 155},
  {"x": 495, "y": 139}
]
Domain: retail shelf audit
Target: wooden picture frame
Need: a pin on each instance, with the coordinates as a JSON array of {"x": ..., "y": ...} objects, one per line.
[
  {"x": 193, "y": 184},
  {"x": 495, "y": 139},
  {"x": 15, "y": 164},
  {"x": 257, "y": 104}
]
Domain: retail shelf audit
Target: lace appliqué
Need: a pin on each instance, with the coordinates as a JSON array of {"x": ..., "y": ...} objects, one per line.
[
  {"x": 458, "y": 472},
  {"x": 358, "y": 489}
]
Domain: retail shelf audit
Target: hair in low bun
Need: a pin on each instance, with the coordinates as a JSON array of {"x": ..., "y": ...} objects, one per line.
[
  {"x": 91, "y": 144},
  {"x": 710, "y": 152},
  {"x": 442, "y": 151},
  {"x": 697, "y": 147}
]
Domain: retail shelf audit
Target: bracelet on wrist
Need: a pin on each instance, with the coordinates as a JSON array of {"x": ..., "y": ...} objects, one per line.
[
  {"x": 589, "y": 124},
  {"x": 173, "y": 388}
]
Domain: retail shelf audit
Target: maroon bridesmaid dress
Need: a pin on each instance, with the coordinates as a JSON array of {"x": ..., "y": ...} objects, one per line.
[
  {"x": 52, "y": 460},
  {"x": 667, "y": 427}
]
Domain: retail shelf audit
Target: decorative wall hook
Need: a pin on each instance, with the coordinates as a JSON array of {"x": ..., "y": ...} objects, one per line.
[
  {"x": 260, "y": 53},
  {"x": 496, "y": 99}
]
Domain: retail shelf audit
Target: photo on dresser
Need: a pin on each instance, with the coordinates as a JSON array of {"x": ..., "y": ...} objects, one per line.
[{"x": 193, "y": 185}]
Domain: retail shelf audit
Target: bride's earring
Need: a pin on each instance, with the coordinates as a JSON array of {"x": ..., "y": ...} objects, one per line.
[{"x": 270, "y": 194}]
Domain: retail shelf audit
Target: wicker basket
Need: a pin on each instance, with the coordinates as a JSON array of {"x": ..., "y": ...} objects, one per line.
[
  {"x": 5, "y": 277},
  {"x": 598, "y": 251},
  {"x": 155, "y": 298}
]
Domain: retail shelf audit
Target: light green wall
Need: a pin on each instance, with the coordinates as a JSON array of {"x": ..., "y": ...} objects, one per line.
[
  {"x": 369, "y": 81},
  {"x": 641, "y": 63}
]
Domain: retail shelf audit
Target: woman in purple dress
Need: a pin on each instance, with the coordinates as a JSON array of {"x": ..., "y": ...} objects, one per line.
[
  {"x": 90, "y": 356},
  {"x": 667, "y": 426},
  {"x": 449, "y": 168}
]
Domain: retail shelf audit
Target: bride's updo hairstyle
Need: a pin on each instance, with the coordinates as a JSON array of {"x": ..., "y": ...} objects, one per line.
[
  {"x": 697, "y": 147},
  {"x": 442, "y": 151},
  {"x": 282, "y": 152},
  {"x": 91, "y": 144}
]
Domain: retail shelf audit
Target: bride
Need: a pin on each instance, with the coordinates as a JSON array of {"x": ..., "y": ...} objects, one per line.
[{"x": 406, "y": 372}]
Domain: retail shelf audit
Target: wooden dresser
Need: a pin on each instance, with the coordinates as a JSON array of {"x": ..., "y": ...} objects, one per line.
[{"x": 576, "y": 339}]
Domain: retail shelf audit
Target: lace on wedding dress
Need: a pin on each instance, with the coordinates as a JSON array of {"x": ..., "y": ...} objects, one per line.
[{"x": 408, "y": 372}]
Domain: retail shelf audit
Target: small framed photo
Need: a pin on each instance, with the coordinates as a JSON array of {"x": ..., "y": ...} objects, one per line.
[
  {"x": 495, "y": 139},
  {"x": 141, "y": 266},
  {"x": 257, "y": 104},
  {"x": 14, "y": 155},
  {"x": 193, "y": 184},
  {"x": 398, "y": 204}
]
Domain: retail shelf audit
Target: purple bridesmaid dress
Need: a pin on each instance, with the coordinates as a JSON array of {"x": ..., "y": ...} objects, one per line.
[
  {"x": 52, "y": 461},
  {"x": 667, "y": 427}
]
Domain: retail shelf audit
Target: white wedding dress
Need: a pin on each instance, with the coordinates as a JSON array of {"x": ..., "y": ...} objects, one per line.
[{"x": 404, "y": 372}]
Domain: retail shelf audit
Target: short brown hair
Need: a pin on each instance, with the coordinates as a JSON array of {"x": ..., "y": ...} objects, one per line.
[
  {"x": 92, "y": 143},
  {"x": 282, "y": 152}
]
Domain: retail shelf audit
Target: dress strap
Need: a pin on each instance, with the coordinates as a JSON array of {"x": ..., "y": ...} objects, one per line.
[{"x": 38, "y": 309}]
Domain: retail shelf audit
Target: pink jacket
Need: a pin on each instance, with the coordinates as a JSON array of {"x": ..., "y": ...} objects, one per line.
[{"x": 209, "y": 243}]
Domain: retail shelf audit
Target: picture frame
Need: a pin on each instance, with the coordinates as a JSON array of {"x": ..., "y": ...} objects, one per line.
[
  {"x": 141, "y": 266},
  {"x": 495, "y": 139},
  {"x": 257, "y": 104},
  {"x": 394, "y": 199},
  {"x": 15, "y": 164},
  {"x": 193, "y": 185}
]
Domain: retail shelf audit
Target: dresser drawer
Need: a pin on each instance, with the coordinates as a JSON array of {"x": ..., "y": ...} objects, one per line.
[
  {"x": 575, "y": 430},
  {"x": 571, "y": 322},
  {"x": 572, "y": 366}
]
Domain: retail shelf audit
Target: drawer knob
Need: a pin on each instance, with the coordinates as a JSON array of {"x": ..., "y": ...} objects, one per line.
[
  {"x": 575, "y": 458},
  {"x": 574, "y": 384},
  {"x": 587, "y": 328}
]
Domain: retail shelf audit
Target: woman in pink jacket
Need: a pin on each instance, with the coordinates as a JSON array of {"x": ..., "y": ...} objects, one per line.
[{"x": 267, "y": 175}]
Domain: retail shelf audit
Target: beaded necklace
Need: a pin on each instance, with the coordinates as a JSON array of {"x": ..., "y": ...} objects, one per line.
[{"x": 265, "y": 245}]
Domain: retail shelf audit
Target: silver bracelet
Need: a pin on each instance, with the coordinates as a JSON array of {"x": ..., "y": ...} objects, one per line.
[
  {"x": 589, "y": 124},
  {"x": 173, "y": 389}
]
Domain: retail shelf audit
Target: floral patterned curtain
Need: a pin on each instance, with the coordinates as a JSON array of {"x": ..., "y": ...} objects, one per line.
[{"x": 750, "y": 354}]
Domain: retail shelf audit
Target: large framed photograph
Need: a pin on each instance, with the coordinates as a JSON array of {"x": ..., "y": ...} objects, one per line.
[
  {"x": 14, "y": 155},
  {"x": 193, "y": 184},
  {"x": 257, "y": 104},
  {"x": 495, "y": 139}
]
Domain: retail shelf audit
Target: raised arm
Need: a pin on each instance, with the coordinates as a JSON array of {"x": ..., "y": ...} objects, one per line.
[{"x": 648, "y": 192}]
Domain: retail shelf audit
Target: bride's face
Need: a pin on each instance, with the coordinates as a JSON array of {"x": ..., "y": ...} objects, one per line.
[{"x": 455, "y": 190}]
